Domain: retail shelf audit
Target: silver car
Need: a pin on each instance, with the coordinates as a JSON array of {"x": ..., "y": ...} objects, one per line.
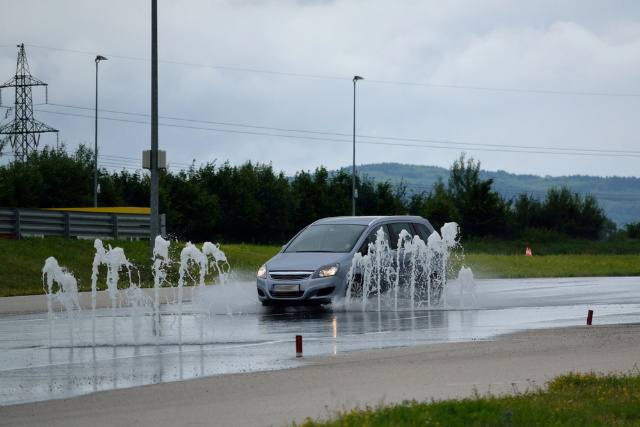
[{"x": 313, "y": 266}]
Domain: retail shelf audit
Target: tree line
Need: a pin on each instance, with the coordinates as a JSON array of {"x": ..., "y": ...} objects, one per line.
[{"x": 254, "y": 203}]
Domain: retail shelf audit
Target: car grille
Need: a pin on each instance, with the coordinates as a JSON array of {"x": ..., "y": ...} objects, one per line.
[
  {"x": 286, "y": 294},
  {"x": 290, "y": 275}
]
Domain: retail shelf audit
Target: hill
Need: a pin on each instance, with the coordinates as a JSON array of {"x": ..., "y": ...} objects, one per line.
[{"x": 619, "y": 196}]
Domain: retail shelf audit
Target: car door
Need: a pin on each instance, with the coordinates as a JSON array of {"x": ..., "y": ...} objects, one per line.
[
  {"x": 377, "y": 271},
  {"x": 400, "y": 260}
]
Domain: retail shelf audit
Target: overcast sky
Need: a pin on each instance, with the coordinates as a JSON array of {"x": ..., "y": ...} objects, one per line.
[{"x": 529, "y": 87}]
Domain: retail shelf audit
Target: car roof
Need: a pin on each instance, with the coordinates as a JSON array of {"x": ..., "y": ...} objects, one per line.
[{"x": 368, "y": 220}]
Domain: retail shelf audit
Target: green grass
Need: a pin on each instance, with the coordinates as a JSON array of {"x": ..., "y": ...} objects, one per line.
[
  {"x": 519, "y": 266},
  {"x": 550, "y": 243},
  {"x": 574, "y": 399},
  {"x": 21, "y": 261}
]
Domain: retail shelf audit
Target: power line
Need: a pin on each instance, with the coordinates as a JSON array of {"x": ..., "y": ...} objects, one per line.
[
  {"x": 386, "y": 82},
  {"x": 348, "y": 135},
  {"x": 109, "y": 161},
  {"x": 402, "y": 142},
  {"x": 497, "y": 89}
]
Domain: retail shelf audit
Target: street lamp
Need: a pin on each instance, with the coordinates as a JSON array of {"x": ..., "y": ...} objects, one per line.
[
  {"x": 95, "y": 151},
  {"x": 353, "y": 170}
]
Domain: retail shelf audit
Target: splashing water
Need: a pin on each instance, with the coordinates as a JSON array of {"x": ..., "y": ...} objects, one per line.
[
  {"x": 209, "y": 257},
  {"x": 467, "y": 287},
  {"x": 67, "y": 293},
  {"x": 130, "y": 301},
  {"x": 160, "y": 260},
  {"x": 413, "y": 275},
  {"x": 115, "y": 260}
]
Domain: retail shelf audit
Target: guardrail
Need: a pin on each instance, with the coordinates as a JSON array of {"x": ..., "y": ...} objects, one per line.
[{"x": 18, "y": 222}]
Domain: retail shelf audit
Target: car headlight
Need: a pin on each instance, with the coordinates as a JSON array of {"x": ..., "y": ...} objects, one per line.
[
  {"x": 262, "y": 272},
  {"x": 326, "y": 271}
]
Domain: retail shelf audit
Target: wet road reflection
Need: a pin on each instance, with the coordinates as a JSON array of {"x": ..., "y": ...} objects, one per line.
[{"x": 228, "y": 332}]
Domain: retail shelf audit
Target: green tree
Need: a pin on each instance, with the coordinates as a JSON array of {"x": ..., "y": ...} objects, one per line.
[
  {"x": 525, "y": 214},
  {"x": 633, "y": 230},
  {"x": 49, "y": 179},
  {"x": 482, "y": 211},
  {"x": 20, "y": 185},
  {"x": 126, "y": 189},
  {"x": 339, "y": 194},
  {"x": 367, "y": 200},
  {"x": 277, "y": 203},
  {"x": 192, "y": 210},
  {"x": 307, "y": 201},
  {"x": 571, "y": 215},
  {"x": 438, "y": 206},
  {"x": 388, "y": 201}
]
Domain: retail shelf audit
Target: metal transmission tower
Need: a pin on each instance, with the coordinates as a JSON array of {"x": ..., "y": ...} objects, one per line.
[{"x": 24, "y": 131}]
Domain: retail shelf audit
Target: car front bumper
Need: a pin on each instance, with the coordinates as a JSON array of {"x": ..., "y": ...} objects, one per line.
[{"x": 319, "y": 291}]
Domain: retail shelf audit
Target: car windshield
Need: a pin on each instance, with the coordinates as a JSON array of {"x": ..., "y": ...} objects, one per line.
[{"x": 327, "y": 238}]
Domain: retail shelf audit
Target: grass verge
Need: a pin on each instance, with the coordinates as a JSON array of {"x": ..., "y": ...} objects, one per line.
[
  {"x": 518, "y": 266},
  {"x": 21, "y": 261},
  {"x": 574, "y": 399}
]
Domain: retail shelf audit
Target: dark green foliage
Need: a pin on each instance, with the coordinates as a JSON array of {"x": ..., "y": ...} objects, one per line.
[
  {"x": 310, "y": 194},
  {"x": 437, "y": 206},
  {"x": 481, "y": 210},
  {"x": 340, "y": 195},
  {"x": 192, "y": 210},
  {"x": 252, "y": 203},
  {"x": 561, "y": 211},
  {"x": 633, "y": 230},
  {"x": 49, "y": 178},
  {"x": 124, "y": 189}
]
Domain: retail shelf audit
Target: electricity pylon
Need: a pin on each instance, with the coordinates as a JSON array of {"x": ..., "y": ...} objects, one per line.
[{"x": 24, "y": 131}]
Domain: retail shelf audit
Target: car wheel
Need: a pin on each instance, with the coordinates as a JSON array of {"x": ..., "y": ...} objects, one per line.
[
  {"x": 356, "y": 287},
  {"x": 436, "y": 288}
]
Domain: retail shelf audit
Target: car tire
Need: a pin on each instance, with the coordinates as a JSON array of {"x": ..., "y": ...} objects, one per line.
[
  {"x": 436, "y": 288},
  {"x": 356, "y": 287}
]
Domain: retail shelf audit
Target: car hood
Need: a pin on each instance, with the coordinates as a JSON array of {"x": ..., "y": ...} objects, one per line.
[{"x": 310, "y": 261}]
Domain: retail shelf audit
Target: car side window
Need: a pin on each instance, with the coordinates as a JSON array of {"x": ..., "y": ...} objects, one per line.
[
  {"x": 396, "y": 229},
  {"x": 422, "y": 231},
  {"x": 373, "y": 235}
]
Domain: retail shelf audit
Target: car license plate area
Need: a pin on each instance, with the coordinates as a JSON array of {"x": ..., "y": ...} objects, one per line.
[{"x": 286, "y": 288}]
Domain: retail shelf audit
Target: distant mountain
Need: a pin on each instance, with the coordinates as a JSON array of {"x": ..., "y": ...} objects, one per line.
[{"x": 620, "y": 197}]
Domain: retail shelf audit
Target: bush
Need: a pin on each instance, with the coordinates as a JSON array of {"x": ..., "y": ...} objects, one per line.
[
  {"x": 542, "y": 235},
  {"x": 633, "y": 230}
]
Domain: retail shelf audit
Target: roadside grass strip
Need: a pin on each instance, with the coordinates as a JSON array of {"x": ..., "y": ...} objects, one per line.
[{"x": 572, "y": 399}]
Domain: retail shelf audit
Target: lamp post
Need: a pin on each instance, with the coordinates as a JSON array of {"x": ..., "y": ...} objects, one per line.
[
  {"x": 95, "y": 151},
  {"x": 353, "y": 170},
  {"x": 154, "y": 199}
]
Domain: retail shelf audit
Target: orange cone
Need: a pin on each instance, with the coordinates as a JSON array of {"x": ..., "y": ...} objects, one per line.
[{"x": 528, "y": 252}]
